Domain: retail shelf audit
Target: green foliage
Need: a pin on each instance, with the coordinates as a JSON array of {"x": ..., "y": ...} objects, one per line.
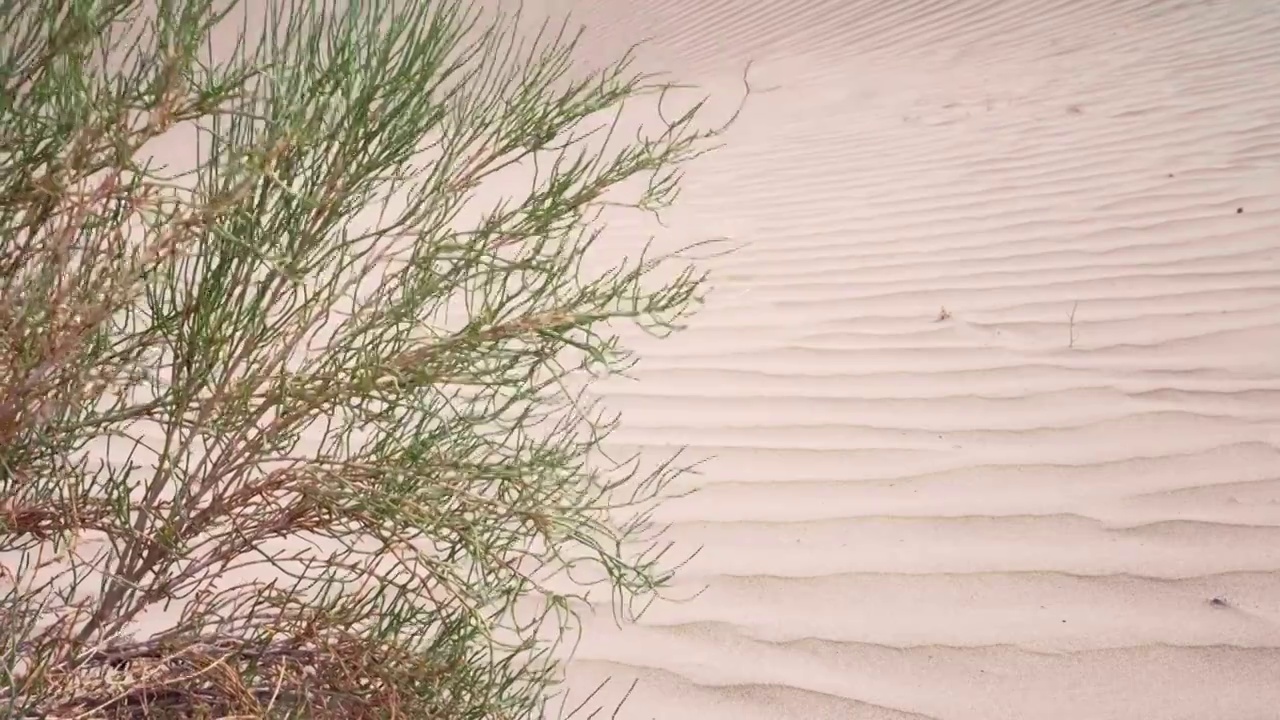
[{"x": 297, "y": 426}]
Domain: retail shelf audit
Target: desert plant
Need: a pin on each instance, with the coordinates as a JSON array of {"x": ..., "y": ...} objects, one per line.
[{"x": 294, "y": 423}]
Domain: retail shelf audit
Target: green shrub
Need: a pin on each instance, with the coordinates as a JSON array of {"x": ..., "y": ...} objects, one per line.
[{"x": 299, "y": 428}]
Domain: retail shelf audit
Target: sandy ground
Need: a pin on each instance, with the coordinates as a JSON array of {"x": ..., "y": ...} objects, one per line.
[
  {"x": 992, "y": 390},
  {"x": 990, "y": 394}
]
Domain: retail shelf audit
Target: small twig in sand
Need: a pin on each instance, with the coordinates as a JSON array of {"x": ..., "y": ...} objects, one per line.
[{"x": 1071, "y": 326}]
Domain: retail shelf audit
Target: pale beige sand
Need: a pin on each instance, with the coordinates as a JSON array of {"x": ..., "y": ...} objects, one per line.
[{"x": 1003, "y": 513}]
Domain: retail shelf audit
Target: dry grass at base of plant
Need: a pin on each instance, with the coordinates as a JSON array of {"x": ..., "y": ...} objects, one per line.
[{"x": 230, "y": 678}]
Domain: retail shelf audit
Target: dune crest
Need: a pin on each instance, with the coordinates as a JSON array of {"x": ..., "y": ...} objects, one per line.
[{"x": 992, "y": 389}]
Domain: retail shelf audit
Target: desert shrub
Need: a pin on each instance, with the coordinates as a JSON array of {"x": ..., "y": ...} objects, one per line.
[{"x": 299, "y": 307}]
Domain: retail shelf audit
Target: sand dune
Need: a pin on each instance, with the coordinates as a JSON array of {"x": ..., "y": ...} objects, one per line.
[
  {"x": 988, "y": 400},
  {"x": 990, "y": 396}
]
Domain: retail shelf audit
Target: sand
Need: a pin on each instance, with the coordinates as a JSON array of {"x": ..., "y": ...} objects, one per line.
[{"x": 990, "y": 395}]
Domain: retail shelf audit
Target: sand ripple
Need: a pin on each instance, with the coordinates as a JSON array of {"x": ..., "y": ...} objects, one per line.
[{"x": 991, "y": 392}]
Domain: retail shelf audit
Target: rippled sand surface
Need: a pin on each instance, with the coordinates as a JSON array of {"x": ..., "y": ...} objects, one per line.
[
  {"x": 991, "y": 391},
  {"x": 989, "y": 395}
]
